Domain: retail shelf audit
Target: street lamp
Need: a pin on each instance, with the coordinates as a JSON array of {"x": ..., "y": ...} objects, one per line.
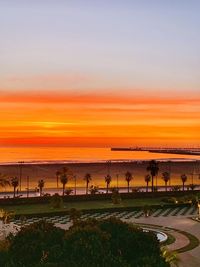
[
  {"x": 74, "y": 184},
  {"x": 117, "y": 175},
  {"x": 20, "y": 175},
  {"x": 108, "y": 165},
  {"x": 27, "y": 183}
]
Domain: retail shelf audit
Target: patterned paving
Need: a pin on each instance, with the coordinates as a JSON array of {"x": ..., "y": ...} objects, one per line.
[{"x": 127, "y": 215}]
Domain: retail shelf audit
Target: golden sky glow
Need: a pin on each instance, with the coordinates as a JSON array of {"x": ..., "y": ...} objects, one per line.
[{"x": 29, "y": 118}]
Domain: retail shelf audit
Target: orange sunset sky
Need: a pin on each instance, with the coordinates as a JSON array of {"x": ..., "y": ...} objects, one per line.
[
  {"x": 98, "y": 120},
  {"x": 77, "y": 75}
]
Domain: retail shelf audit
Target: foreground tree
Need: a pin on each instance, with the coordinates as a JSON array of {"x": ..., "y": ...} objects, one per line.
[
  {"x": 184, "y": 180},
  {"x": 128, "y": 178},
  {"x": 108, "y": 243},
  {"x": 153, "y": 169},
  {"x": 41, "y": 186},
  {"x": 108, "y": 180},
  {"x": 15, "y": 184},
  {"x": 166, "y": 178},
  {"x": 125, "y": 244},
  {"x": 147, "y": 179},
  {"x": 87, "y": 178},
  {"x": 45, "y": 241}
]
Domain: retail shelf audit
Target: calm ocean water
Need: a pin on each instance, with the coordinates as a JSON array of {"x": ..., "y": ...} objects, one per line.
[{"x": 79, "y": 154}]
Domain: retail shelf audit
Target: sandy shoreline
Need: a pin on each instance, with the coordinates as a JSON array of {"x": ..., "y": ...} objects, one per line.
[{"x": 99, "y": 170}]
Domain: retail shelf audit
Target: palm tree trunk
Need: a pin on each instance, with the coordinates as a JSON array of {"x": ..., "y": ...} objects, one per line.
[
  {"x": 57, "y": 180},
  {"x": 166, "y": 186},
  {"x": 63, "y": 189},
  {"x": 147, "y": 187},
  {"x": 107, "y": 188},
  {"x": 128, "y": 187},
  {"x": 183, "y": 186},
  {"x": 86, "y": 188},
  {"x": 152, "y": 189},
  {"x": 14, "y": 192}
]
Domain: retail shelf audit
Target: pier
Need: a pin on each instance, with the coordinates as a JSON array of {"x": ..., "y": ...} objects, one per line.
[{"x": 181, "y": 151}]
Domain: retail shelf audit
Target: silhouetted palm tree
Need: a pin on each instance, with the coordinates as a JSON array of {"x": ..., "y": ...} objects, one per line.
[
  {"x": 58, "y": 173},
  {"x": 65, "y": 175},
  {"x": 147, "y": 179},
  {"x": 108, "y": 181},
  {"x": 15, "y": 184},
  {"x": 41, "y": 185},
  {"x": 87, "y": 178},
  {"x": 65, "y": 170},
  {"x": 166, "y": 178},
  {"x": 63, "y": 180},
  {"x": 153, "y": 169},
  {"x": 3, "y": 181},
  {"x": 128, "y": 178},
  {"x": 184, "y": 180}
]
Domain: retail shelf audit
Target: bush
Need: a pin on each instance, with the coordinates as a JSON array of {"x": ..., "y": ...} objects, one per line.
[
  {"x": 56, "y": 201},
  {"x": 94, "y": 189},
  {"x": 169, "y": 200},
  {"x": 36, "y": 243},
  {"x": 176, "y": 188},
  {"x": 116, "y": 198},
  {"x": 68, "y": 191}
]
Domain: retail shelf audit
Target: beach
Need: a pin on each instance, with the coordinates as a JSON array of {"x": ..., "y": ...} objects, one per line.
[{"x": 98, "y": 171}]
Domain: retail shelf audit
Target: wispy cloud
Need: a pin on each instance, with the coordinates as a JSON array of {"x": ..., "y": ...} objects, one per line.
[{"x": 97, "y": 97}]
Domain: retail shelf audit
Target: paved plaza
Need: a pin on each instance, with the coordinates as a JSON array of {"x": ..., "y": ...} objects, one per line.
[{"x": 125, "y": 215}]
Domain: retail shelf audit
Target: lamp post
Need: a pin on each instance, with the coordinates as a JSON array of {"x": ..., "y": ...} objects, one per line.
[
  {"x": 156, "y": 187},
  {"x": 75, "y": 185},
  {"x": 20, "y": 175},
  {"x": 117, "y": 175},
  {"x": 169, "y": 166},
  {"x": 108, "y": 165},
  {"x": 27, "y": 183}
]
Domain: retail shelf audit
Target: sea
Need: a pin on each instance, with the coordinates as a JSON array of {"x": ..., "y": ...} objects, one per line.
[{"x": 35, "y": 155}]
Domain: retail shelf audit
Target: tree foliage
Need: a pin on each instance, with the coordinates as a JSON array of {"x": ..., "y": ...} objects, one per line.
[{"x": 90, "y": 243}]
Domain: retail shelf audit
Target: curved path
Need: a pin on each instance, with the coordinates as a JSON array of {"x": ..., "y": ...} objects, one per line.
[{"x": 189, "y": 258}]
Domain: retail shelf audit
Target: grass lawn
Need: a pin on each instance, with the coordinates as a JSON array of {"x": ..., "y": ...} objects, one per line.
[{"x": 82, "y": 205}]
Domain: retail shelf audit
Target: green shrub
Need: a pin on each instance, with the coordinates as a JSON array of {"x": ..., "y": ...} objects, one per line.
[
  {"x": 56, "y": 201},
  {"x": 169, "y": 200}
]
